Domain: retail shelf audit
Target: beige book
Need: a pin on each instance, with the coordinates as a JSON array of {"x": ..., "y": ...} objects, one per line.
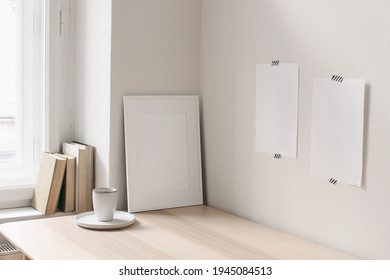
[
  {"x": 84, "y": 173},
  {"x": 48, "y": 184},
  {"x": 67, "y": 198},
  {"x": 90, "y": 172},
  {"x": 81, "y": 174}
]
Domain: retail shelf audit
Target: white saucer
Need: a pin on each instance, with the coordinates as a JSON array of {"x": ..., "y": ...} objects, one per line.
[{"x": 88, "y": 220}]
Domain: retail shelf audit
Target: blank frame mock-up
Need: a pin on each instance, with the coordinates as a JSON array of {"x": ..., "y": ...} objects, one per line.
[
  {"x": 337, "y": 130},
  {"x": 163, "y": 162},
  {"x": 277, "y": 108}
]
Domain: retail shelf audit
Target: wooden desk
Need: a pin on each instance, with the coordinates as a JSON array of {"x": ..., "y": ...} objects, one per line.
[{"x": 198, "y": 232}]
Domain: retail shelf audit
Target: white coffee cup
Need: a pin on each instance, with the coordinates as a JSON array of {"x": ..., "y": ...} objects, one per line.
[{"x": 104, "y": 203}]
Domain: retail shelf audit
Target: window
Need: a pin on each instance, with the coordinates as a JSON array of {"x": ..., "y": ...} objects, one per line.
[
  {"x": 7, "y": 81},
  {"x": 21, "y": 90},
  {"x": 35, "y": 90}
]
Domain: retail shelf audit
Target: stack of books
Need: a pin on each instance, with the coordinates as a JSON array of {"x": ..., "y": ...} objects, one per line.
[
  {"x": 65, "y": 180},
  {"x": 84, "y": 184}
]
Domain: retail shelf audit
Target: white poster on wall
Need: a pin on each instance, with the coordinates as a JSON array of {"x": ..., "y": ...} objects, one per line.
[
  {"x": 337, "y": 130},
  {"x": 277, "y": 108}
]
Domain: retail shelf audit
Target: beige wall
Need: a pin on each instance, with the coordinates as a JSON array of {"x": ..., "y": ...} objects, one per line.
[
  {"x": 92, "y": 81},
  {"x": 155, "y": 50},
  {"x": 346, "y": 38}
]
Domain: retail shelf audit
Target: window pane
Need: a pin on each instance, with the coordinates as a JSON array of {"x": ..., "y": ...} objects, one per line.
[
  {"x": 8, "y": 76},
  {"x": 21, "y": 54}
]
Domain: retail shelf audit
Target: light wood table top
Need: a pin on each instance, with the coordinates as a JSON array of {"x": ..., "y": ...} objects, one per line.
[{"x": 197, "y": 232}]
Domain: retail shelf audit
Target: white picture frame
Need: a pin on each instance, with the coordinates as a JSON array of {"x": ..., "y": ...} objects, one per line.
[{"x": 163, "y": 156}]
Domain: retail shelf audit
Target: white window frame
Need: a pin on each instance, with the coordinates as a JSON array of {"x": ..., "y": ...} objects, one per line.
[
  {"x": 21, "y": 171},
  {"x": 18, "y": 176},
  {"x": 54, "y": 49}
]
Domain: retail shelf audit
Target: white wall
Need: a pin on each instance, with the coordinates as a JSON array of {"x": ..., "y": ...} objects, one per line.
[
  {"x": 92, "y": 70},
  {"x": 59, "y": 111},
  {"x": 347, "y": 38},
  {"x": 155, "y": 50}
]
